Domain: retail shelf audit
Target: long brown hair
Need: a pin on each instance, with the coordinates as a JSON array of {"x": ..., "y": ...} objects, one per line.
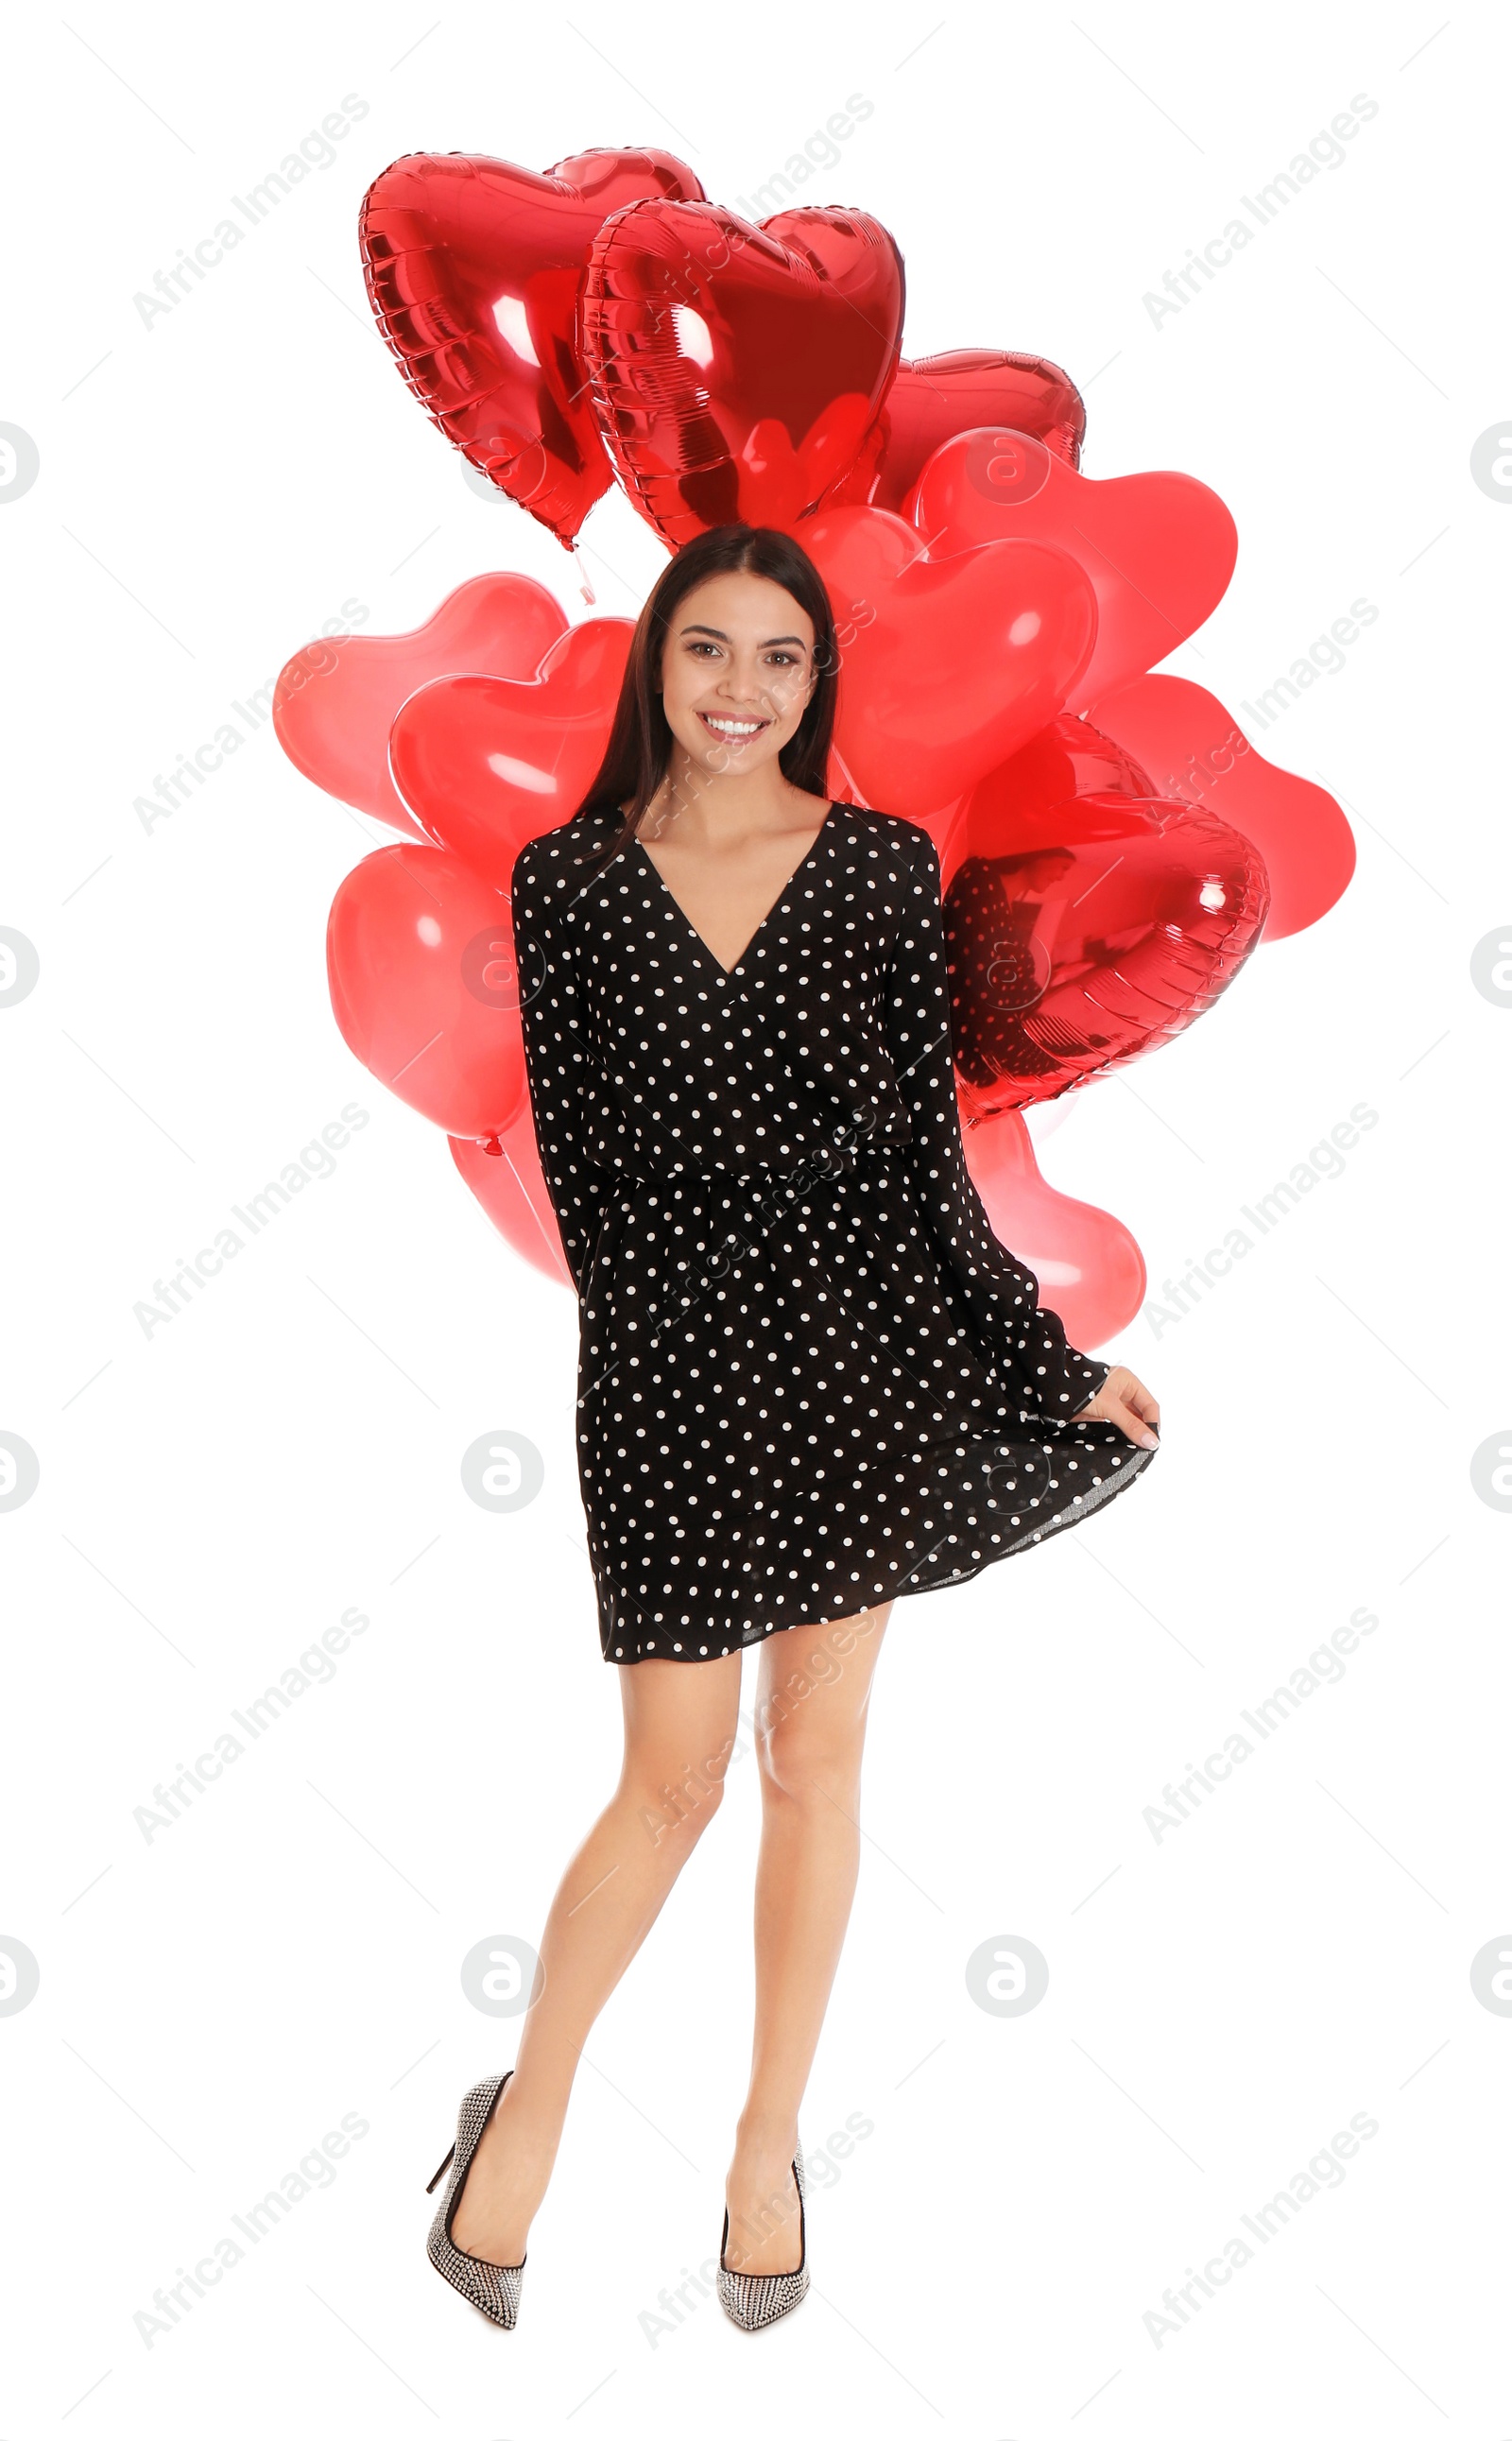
[{"x": 639, "y": 749}]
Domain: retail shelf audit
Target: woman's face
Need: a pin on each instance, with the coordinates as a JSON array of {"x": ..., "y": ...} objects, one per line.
[{"x": 737, "y": 671}]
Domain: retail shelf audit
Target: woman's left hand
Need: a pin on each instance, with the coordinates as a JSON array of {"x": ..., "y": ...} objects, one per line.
[{"x": 1124, "y": 1400}]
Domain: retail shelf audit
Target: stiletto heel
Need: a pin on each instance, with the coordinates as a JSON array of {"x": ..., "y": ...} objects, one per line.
[
  {"x": 753, "y": 2299},
  {"x": 431, "y": 2184},
  {"x": 492, "y": 2288}
]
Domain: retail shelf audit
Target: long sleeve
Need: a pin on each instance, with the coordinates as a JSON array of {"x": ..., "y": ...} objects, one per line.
[
  {"x": 559, "y": 1064},
  {"x": 1025, "y": 1337}
]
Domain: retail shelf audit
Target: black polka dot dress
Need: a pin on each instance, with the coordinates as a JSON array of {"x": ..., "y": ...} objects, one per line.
[{"x": 810, "y": 1377}]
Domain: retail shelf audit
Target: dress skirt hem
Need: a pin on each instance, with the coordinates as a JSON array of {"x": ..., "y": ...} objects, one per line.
[{"x": 715, "y": 1642}]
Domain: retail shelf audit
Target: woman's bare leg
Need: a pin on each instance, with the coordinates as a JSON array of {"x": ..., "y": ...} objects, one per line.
[
  {"x": 810, "y": 1716},
  {"x": 680, "y": 1721}
]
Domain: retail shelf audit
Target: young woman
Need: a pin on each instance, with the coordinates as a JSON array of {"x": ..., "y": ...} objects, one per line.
[{"x": 811, "y": 1379}]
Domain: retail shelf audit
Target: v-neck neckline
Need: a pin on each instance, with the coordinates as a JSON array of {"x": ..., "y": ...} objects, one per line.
[{"x": 778, "y": 903}]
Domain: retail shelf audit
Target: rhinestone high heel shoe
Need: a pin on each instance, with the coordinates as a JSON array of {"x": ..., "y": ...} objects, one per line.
[
  {"x": 753, "y": 2299},
  {"x": 492, "y": 2288}
]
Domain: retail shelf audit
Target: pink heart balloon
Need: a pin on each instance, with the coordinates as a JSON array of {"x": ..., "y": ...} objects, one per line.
[
  {"x": 1089, "y": 1266},
  {"x": 512, "y": 1190},
  {"x": 334, "y": 702},
  {"x": 420, "y": 957},
  {"x": 1196, "y": 750},
  {"x": 484, "y": 764},
  {"x": 1159, "y": 550},
  {"x": 946, "y": 667}
]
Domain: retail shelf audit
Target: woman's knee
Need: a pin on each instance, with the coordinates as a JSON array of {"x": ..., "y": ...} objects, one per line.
[
  {"x": 812, "y": 1761},
  {"x": 676, "y": 1809},
  {"x": 811, "y": 1718},
  {"x": 680, "y": 1738},
  {"x": 674, "y": 1796}
]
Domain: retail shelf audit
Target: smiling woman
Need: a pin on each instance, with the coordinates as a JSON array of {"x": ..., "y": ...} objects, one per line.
[{"x": 810, "y": 1378}]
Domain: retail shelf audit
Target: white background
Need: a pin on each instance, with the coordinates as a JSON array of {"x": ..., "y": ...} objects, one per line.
[{"x": 1221, "y": 2000}]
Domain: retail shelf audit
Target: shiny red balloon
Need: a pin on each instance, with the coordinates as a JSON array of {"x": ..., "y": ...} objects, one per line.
[
  {"x": 737, "y": 369},
  {"x": 484, "y": 764},
  {"x": 946, "y": 667},
  {"x": 1197, "y": 752},
  {"x": 1067, "y": 758},
  {"x": 933, "y": 398},
  {"x": 473, "y": 269},
  {"x": 1159, "y": 549},
  {"x": 419, "y": 956},
  {"x": 510, "y": 1186},
  {"x": 334, "y": 702},
  {"x": 1089, "y": 1266},
  {"x": 1081, "y": 937}
]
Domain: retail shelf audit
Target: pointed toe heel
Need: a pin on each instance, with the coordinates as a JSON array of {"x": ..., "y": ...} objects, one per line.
[
  {"x": 492, "y": 2288},
  {"x": 754, "y": 2299}
]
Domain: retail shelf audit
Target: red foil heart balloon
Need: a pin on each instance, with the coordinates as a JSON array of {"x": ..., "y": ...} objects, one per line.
[
  {"x": 1067, "y": 758},
  {"x": 1103, "y": 930},
  {"x": 421, "y": 962},
  {"x": 1197, "y": 752},
  {"x": 473, "y": 268},
  {"x": 334, "y": 702},
  {"x": 484, "y": 764},
  {"x": 933, "y": 398},
  {"x": 948, "y": 667},
  {"x": 737, "y": 369},
  {"x": 1089, "y": 1266},
  {"x": 1159, "y": 550}
]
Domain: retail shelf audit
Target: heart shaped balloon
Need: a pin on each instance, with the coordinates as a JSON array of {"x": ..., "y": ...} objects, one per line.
[
  {"x": 1104, "y": 929},
  {"x": 419, "y": 956},
  {"x": 933, "y": 398},
  {"x": 334, "y": 702},
  {"x": 1159, "y": 549},
  {"x": 473, "y": 268},
  {"x": 1197, "y": 752},
  {"x": 1089, "y": 1266},
  {"x": 1067, "y": 758},
  {"x": 946, "y": 667},
  {"x": 484, "y": 764},
  {"x": 508, "y": 1183},
  {"x": 736, "y": 370}
]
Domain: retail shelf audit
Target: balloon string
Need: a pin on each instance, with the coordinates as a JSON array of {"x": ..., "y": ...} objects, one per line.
[{"x": 587, "y": 589}]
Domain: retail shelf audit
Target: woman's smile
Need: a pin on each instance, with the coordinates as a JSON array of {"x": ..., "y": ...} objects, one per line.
[{"x": 732, "y": 727}]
